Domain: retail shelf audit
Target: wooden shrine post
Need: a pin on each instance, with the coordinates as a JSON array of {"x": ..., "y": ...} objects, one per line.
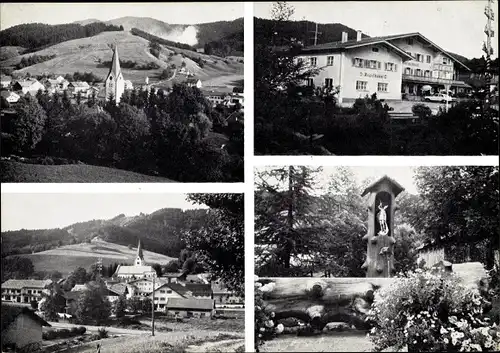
[{"x": 380, "y": 236}]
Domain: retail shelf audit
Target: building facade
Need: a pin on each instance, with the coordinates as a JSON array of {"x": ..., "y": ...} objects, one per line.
[
  {"x": 190, "y": 307},
  {"x": 21, "y": 328},
  {"x": 25, "y": 290},
  {"x": 115, "y": 84},
  {"x": 138, "y": 270},
  {"x": 387, "y": 66}
]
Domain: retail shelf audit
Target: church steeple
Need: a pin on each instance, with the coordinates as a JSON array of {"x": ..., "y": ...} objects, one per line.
[
  {"x": 139, "y": 259},
  {"x": 115, "y": 63},
  {"x": 115, "y": 84}
]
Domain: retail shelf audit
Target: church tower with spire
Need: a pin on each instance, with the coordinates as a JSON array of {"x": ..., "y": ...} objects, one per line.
[
  {"x": 139, "y": 258},
  {"x": 115, "y": 84}
]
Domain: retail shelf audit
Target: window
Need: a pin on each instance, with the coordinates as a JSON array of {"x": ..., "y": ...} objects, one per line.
[
  {"x": 427, "y": 73},
  {"x": 428, "y": 59},
  {"x": 329, "y": 60},
  {"x": 419, "y": 72},
  {"x": 420, "y": 58},
  {"x": 169, "y": 291},
  {"x": 382, "y": 87},
  {"x": 162, "y": 299},
  {"x": 328, "y": 82},
  {"x": 372, "y": 64},
  {"x": 313, "y": 61},
  {"x": 310, "y": 82},
  {"x": 445, "y": 61},
  {"x": 361, "y": 85},
  {"x": 409, "y": 41},
  {"x": 162, "y": 291},
  {"x": 300, "y": 60},
  {"x": 358, "y": 62},
  {"x": 390, "y": 67},
  {"x": 375, "y": 50}
]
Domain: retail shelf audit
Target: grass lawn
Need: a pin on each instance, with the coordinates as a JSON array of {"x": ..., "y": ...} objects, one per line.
[
  {"x": 164, "y": 323},
  {"x": 15, "y": 172},
  {"x": 166, "y": 342},
  {"x": 327, "y": 342}
]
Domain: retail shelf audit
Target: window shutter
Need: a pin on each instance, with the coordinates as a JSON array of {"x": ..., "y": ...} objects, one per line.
[
  {"x": 395, "y": 67},
  {"x": 378, "y": 65},
  {"x": 353, "y": 61}
]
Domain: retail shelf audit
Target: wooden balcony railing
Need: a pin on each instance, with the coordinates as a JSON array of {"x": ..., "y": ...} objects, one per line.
[{"x": 429, "y": 79}]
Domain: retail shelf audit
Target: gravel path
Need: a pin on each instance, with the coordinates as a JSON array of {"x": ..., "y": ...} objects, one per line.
[
  {"x": 338, "y": 342},
  {"x": 220, "y": 346}
]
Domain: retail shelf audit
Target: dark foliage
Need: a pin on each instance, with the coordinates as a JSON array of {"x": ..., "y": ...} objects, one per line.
[
  {"x": 33, "y": 59},
  {"x": 37, "y": 35}
]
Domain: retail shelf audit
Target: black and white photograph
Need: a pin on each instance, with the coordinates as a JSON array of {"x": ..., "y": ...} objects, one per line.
[
  {"x": 376, "y": 78},
  {"x": 122, "y": 92},
  {"x": 370, "y": 259},
  {"x": 137, "y": 272}
]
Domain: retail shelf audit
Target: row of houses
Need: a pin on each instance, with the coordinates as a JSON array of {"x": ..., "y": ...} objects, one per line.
[{"x": 226, "y": 99}]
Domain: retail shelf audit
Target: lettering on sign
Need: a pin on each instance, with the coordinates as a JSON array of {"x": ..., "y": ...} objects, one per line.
[{"x": 372, "y": 75}]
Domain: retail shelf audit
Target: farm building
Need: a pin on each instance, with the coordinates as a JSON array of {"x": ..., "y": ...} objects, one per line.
[
  {"x": 193, "y": 82},
  {"x": 10, "y": 97},
  {"x": 78, "y": 86},
  {"x": 5, "y": 81},
  {"x": 21, "y": 327},
  {"x": 24, "y": 290},
  {"x": 30, "y": 86},
  {"x": 190, "y": 307}
]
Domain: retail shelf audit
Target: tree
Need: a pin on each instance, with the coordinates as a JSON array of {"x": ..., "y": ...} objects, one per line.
[
  {"x": 280, "y": 110},
  {"x": 80, "y": 275},
  {"x": 34, "y": 305},
  {"x": 134, "y": 304},
  {"x": 172, "y": 266},
  {"x": 219, "y": 244},
  {"x": 50, "y": 305},
  {"x": 16, "y": 267},
  {"x": 146, "y": 305},
  {"x": 28, "y": 127},
  {"x": 120, "y": 306},
  {"x": 93, "y": 306},
  {"x": 132, "y": 137},
  {"x": 157, "y": 268},
  {"x": 285, "y": 223},
  {"x": 461, "y": 208}
]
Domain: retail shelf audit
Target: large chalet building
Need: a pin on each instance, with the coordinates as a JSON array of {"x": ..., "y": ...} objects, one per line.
[
  {"x": 388, "y": 66},
  {"x": 25, "y": 290}
]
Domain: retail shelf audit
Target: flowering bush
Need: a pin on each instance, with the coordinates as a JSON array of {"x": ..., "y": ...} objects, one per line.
[
  {"x": 264, "y": 318},
  {"x": 433, "y": 312}
]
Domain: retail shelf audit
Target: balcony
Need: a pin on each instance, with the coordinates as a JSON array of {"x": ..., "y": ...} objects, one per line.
[{"x": 429, "y": 79}]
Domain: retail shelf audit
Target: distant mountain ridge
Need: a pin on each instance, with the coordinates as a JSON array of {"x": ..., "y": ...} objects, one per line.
[
  {"x": 160, "y": 231},
  {"x": 302, "y": 31}
]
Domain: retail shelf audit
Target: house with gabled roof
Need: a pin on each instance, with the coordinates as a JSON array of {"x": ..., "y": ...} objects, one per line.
[
  {"x": 190, "y": 307},
  {"x": 28, "y": 86},
  {"x": 25, "y": 290},
  {"x": 385, "y": 65},
  {"x": 193, "y": 82},
  {"x": 21, "y": 328}
]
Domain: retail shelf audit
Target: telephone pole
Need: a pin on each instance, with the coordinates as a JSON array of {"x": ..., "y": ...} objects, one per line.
[
  {"x": 488, "y": 50},
  {"x": 315, "y": 34},
  {"x": 153, "y": 310}
]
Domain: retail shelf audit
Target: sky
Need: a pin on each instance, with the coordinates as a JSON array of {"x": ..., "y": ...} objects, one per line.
[
  {"x": 12, "y": 14},
  {"x": 456, "y": 26},
  {"x": 403, "y": 175},
  {"x": 44, "y": 210}
]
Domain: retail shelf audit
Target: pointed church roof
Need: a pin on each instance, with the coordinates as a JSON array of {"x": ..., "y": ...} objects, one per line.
[
  {"x": 115, "y": 63},
  {"x": 139, "y": 250}
]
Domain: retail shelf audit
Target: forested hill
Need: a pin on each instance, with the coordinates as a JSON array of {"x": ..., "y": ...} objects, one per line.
[
  {"x": 160, "y": 231},
  {"x": 301, "y": 30},
  {"x": 37, "y": 35}
]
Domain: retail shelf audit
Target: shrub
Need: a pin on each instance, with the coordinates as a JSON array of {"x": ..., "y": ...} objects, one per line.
[
  {"x": 102, "y": 333},
  {"x": 431, "y": 311},
  {"x": 265, "y": 329},
  {"x": 421, "y": 110}
]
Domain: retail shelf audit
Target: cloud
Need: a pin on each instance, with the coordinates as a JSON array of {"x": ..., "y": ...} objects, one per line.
[{"x": 186, "y": 36}]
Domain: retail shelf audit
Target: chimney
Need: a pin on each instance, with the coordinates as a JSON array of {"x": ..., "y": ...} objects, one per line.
[
  {"x": 344, "y": 37},
  {"x": 358, "y": 35}
]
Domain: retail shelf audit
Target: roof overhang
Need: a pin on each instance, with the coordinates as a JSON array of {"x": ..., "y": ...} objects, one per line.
[
  {"x": 355, "y": 45},
  {"x": 417, "y": 34}
]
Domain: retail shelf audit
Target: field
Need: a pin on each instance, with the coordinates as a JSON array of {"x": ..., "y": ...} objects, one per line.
[
  {"x": 161, "y": 342},
  {"x": 331, "y": 342},
  {"x": 85, "y": 55},
  {"x": 67, "y": 258},
  {"x": 14, "y": 172}
]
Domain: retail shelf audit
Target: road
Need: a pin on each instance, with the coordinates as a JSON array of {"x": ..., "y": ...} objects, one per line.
[{"x": 90, "y": 328}]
